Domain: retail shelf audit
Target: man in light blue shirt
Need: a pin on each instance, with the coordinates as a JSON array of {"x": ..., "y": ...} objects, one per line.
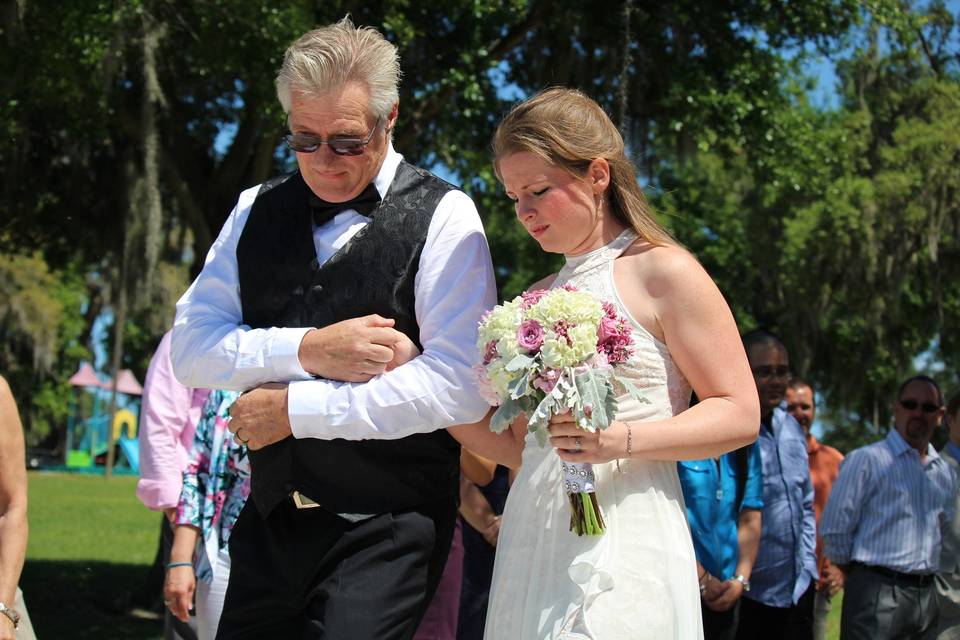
[
  {"x": 884, "y": 520},
  {"x": 780, "y": 601},
  {"x": 723, "y": 496}
]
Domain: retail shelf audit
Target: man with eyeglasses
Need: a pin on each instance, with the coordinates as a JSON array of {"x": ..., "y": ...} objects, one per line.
[
  {"x": 325, "y": 281},
  {"x": 884, "y": 521},
  {"x": 779, "y": 603},
  {"x": 824, "y": 468}
]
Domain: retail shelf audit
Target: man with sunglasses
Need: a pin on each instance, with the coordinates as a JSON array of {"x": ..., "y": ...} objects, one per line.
[
  {"x": 883, "y": 523},
  {"x": 779, "y": 603},
  {"x": 325, "y": 281},
  {"x": 824, "y": 468}
]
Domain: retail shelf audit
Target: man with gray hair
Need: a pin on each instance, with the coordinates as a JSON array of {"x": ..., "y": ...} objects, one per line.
[{"x": 320, "y": 285}]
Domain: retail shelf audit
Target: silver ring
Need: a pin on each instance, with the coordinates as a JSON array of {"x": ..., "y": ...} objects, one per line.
[
  {"x": 239, "y": 439},
  {"x": 577, "y": 441}
]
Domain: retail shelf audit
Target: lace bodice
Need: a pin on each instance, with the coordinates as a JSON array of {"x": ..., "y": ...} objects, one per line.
[{"x": 651, "y": 368}]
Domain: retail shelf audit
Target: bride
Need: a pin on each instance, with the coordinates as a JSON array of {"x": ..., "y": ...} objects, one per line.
[{"x": 562, "y": 162}]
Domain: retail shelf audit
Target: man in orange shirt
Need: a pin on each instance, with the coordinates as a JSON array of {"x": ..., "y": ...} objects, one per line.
[{"x": 824, "y": 468}]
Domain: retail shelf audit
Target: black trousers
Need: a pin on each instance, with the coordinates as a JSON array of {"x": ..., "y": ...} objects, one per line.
[
  {"x": 310, "y": 574},
  {"x": 762, "y": 622},
  {"x": 720, "y": 625}
]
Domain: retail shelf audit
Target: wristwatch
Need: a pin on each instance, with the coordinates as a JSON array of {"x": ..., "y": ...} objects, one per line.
[
  {"x": 12, "y": 614},
  {"x": 744, "y": 581}
]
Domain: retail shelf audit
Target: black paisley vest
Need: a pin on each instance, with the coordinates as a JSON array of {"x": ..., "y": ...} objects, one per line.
[{"x": 282, "y": 285}]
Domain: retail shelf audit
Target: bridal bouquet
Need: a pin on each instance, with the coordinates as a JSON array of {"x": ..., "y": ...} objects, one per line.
[{"x": 550, "y": 351}]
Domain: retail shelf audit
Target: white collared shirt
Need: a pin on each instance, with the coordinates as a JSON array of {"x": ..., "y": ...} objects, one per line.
[{"x": 454, "y": 285}]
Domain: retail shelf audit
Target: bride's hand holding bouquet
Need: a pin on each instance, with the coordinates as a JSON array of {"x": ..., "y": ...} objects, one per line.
[{"x": 573, "y": 444}]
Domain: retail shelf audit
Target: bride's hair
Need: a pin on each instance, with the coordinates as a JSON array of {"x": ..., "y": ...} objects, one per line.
[{"x": 569, "y": 130}]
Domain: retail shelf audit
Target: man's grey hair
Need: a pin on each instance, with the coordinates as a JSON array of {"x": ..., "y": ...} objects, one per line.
[{"x": 327, "y": 58}]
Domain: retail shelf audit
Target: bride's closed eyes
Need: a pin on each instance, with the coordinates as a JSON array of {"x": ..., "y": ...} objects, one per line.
[{"x": 539, "y": 193}]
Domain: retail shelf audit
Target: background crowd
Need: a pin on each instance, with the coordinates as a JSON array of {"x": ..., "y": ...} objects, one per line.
[{"x": 780, "y": 527}]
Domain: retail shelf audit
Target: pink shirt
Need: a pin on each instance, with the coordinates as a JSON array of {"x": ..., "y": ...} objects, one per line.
[{"x": 168, "y": 418}]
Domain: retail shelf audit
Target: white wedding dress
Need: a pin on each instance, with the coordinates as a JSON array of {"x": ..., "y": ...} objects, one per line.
[{"x": 637, "y": 580}]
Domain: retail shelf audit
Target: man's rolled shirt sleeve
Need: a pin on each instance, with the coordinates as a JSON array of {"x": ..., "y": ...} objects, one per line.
[
  {"x": 838, "y": 524},
  {"x": 454, "y": 286},
  {"x": 211, "y": 346}
]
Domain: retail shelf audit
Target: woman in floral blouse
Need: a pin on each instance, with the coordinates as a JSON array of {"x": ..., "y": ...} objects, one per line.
[{"x": 216, "y": 484}]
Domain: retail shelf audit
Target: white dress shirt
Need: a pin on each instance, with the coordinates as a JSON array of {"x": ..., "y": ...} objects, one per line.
[{"x": 454, "y": 285}]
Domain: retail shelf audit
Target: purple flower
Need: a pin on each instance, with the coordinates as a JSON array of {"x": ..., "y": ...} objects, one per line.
[
  {"x": 531, "y": 298},
  {"x": 547, "y": 380},
  {"x": 490, "y": 352},
  {"x": 562, "y": 328},
  {"x": 530, "y": 335}
]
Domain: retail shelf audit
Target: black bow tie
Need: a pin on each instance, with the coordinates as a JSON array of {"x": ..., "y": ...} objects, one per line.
[{"x": 363, "y": 204}]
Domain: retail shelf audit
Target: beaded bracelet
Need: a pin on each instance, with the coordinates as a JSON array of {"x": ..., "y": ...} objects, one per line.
[
  {"x": 629, "y": 440},
  {"x": 171, "y": 565}
]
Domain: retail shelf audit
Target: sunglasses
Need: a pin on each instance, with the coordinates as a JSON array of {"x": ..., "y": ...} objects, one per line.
[
  {"x": 305, "y": 143},
  {"x": 926, "y": 407},
  {"x": 766, "y": 371}
]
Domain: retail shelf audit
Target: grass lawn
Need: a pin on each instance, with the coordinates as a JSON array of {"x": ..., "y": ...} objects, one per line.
[{"x": 90, "y": 547}]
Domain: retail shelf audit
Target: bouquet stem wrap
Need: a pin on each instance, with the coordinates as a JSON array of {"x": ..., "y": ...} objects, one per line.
[{"x": 585, "y": 515}]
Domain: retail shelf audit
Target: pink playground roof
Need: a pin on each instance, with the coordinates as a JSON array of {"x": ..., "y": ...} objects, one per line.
[{"x": 126, "y": 381}]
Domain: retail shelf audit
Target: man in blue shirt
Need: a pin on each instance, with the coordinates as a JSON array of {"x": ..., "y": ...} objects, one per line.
[
  {"x": 780, "y": 602},
  {"x": 723, "y": 497},
  {"x": 884, "y": 522}
]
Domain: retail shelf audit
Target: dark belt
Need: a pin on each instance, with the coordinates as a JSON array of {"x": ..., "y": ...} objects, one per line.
[{"x": 912, "y": 579}]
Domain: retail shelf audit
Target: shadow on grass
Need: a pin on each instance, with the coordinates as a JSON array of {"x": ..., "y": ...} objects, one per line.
[{"x": 84, "y": 599}]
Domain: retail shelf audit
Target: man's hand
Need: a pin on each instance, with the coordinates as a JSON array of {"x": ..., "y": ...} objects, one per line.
[
  {"x": 832, "y": 579},
  {"x": 259, "y": 417},
  {"x": 353, "y": 350},
  {"x": 492, "y": 533},
  {"x": 713, "y": 589},
  {"x": 728, "y": 594},
  {"x": 403, "y": 352}
]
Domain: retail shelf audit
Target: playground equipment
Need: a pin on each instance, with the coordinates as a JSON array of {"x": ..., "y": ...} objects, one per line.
[{"x": 88, "y": 438}]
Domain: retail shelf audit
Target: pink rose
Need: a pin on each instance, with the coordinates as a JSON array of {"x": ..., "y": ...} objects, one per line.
[
  {"x": 530, "y": 335},
  {"x": 608, "y": 329}
]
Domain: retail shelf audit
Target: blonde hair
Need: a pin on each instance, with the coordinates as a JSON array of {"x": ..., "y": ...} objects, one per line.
[
  {"x": 329, "y": 57},
  {"x": 569, "y": 130}
]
